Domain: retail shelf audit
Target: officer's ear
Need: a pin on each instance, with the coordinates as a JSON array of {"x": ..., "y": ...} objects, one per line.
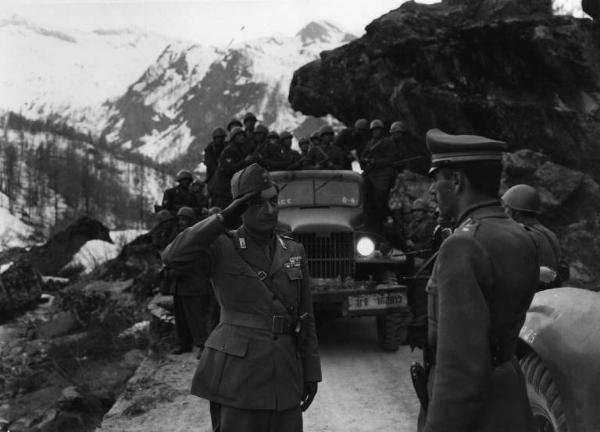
[{"x": 458, "y": 179}]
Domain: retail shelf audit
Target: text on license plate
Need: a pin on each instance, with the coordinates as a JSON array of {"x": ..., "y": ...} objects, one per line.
[{"x": 375, "y": 301}]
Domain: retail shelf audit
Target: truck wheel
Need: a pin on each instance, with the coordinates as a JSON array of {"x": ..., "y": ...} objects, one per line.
[
  {"x": 391, "y": 331},
  {"x": 548, "y": 413}
]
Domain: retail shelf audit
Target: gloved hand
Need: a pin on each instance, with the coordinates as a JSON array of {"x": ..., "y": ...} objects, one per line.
[
  {"x": 308, "y": 394},
  {"x": 238, "y": 206}
]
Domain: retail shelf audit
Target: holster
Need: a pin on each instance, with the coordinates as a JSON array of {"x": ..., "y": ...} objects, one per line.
[{"x": 419, "y": 376}]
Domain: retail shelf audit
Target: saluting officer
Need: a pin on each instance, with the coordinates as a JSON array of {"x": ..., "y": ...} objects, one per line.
[
  {"x": 482, "y": 284},
  {"x": 260, "y": 366}
]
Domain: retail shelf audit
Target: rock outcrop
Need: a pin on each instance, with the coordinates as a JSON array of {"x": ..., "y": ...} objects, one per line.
[
  {"x": 58, "y": 251},
  {"x": 20, "y": 286},
  {"x": 505, "y": 69}
]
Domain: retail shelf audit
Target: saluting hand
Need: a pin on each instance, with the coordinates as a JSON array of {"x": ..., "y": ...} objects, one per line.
[
  {"x": 308, "y": 394},
  {"x": 238, "y": 206}
]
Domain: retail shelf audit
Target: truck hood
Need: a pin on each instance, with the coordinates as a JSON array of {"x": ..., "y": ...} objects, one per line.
[{"x": 325, "y": 219}]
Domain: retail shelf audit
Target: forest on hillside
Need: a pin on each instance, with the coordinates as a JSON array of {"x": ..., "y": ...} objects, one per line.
[{"x": 51, "y": 174}]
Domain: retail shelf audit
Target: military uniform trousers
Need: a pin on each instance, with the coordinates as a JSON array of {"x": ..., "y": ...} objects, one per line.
[{"x": 194, "y": 319}]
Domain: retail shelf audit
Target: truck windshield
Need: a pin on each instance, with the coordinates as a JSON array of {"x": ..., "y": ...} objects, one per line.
[{"x": 317, "y": 192}]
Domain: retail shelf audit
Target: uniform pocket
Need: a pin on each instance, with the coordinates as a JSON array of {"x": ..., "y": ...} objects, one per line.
[
  {"x": 232, "y": 345},
  {"x": 294, "y": 274}
]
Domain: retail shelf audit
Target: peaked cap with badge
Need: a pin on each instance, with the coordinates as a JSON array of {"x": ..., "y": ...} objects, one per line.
[
  {"x": 481, "y": 285},
  {"x": 452, "y": 150}
]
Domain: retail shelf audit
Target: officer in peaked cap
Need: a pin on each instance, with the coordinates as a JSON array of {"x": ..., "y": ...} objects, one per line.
[
  {"x": 260, "y": 366},
  {"x": 481, "y": 286}
]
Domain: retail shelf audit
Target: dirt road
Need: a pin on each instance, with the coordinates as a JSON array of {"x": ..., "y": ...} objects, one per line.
[{"x": 363, "y": 389}]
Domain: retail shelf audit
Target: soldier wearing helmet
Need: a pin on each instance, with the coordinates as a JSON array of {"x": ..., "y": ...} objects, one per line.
[
  {"x": 234, "y": 123},
  {"x": 377, "y": 161},
  {"x": 180, "y": 195},
  {"x": 325, "y": 154},
  {"x": 233, "y": 158},
  {"x": 191, "y": 297},
  {"x": 280, "y": 156},
  {"x": 522, "y": 203},
  {"x": 213, "y": 151},
  {"x": 419, "y": 232},
  {"x": 353, "y": 140}
]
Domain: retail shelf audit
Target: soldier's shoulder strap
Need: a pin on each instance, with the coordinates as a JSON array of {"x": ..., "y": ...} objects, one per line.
[{"x": 468, "y": 227}]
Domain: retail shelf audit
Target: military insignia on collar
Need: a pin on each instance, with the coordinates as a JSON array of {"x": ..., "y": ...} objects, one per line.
[
  {"x": 283, "y": 245},
  {"x": 242, "y": 243}
]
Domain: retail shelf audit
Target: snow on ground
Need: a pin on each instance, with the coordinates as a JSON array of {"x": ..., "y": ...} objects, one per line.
[
  {"x": 13, "y": 232},
  {"x": 92, "y": 254},
  {"x": 122, "y": 237}
]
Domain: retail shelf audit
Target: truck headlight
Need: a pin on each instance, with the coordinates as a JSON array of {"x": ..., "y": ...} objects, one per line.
[{"x": 365, "y": 246}]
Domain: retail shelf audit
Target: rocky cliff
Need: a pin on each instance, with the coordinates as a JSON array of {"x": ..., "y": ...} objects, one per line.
[{"x": 505, "y": 69}]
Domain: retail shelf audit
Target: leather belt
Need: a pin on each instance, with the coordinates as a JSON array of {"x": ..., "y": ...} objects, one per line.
[{"x": 276, "y": 324}]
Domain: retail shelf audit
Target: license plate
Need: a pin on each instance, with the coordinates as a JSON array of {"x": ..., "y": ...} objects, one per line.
[{"x": 375, "y": 301}]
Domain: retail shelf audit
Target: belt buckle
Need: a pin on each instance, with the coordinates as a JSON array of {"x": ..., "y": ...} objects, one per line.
[
  {"x": 278, "y": 324},
  {"x": 262, "y": 275}
]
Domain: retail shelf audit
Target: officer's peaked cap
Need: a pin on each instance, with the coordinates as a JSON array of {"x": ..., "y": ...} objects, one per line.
[
  {"x": 449, "y": 150},
  {"x": 253, "y": 178}
]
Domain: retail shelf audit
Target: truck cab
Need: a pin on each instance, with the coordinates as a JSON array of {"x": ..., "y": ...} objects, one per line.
[{"x": 353, "y": 272}]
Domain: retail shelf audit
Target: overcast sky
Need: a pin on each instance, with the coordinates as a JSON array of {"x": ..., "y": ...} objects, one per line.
[{"x": 205, "y": 21}]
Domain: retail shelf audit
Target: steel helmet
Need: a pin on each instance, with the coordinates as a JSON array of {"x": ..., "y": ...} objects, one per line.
[
  {"x": 522, "y": 197},
  {"x": 362, "y": 123},
  {"x": 249, "y": 116},
  {"x": 303, "y": 140},
  {"x": 397, "y": 126},
  {"x": 376, "y": 124},
  {"x": 315, "y": 135},
  {"x": 219, "y": 132},
  {"x": 234, "y": 132},
  {"x": 284, "y": 135},
  {"x": 261, "y": 128},
  {"x": 233, "y": 123},
  {"x": 420, "y": 204},
  {"x": 273, "y": 134},
  {"x": 326, "y": 130},
  {"x": 163, "y": 216},
  {"x": 187, "y": 211},
  {"x": 184, "y": 174}
]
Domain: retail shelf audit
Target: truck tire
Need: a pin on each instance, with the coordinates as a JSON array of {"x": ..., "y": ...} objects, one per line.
[
  {"x": 391, "y": 331},
  {"x": 548, "y": 412}
]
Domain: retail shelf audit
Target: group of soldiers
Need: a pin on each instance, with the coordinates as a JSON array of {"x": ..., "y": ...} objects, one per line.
[
  {"x": 259, "y": 367},
  {"x": 379, "y": 151}
]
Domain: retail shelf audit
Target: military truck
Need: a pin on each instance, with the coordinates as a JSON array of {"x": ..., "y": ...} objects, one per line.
[{"x": 353, "y": 272}]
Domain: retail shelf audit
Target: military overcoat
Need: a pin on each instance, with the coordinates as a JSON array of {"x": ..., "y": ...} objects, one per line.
[
  {"x": 243, "y": 365},
  {"x": 482, "y": 284}
]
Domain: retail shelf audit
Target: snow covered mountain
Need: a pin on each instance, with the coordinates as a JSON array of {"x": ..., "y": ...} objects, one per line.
[
  {"x": 190, "y": 90},
  {"x": 69, "y": 73}
]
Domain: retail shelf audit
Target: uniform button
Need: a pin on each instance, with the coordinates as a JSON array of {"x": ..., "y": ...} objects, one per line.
[{"x": 274, "y": 337}]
